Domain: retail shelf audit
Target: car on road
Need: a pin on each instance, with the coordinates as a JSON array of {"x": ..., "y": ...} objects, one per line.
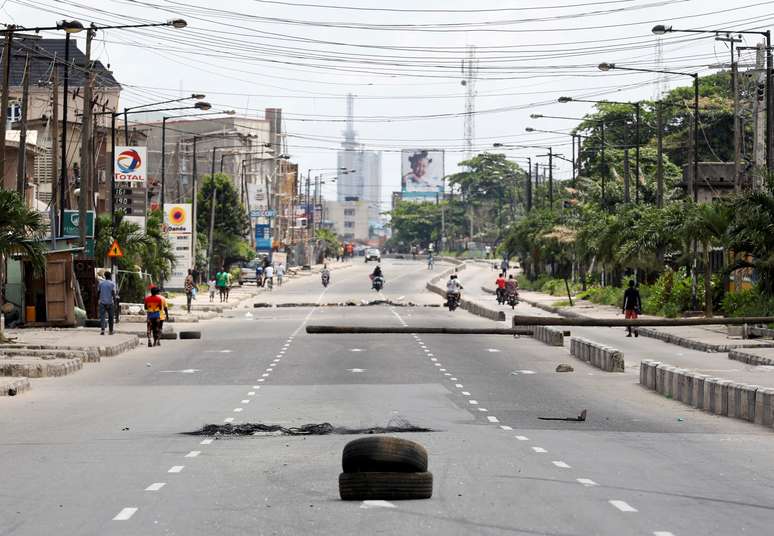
[
  {"x": 373, "y": 254},
  {"x": 247, "y": 270}
]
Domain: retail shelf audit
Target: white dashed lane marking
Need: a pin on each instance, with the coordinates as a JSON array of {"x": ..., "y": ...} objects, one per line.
[
  {"x": 506, "y": 428},
  {"x": 206, "y": 441},
  {"x": 539, "y": 450},
  {"x": 662, "y": 533},
  {"x": 522, "y": 438},
  {"x": 155, "y": 486},
  {"x": 475, "y": 403},
  {"x": 465, "y": 392},
  {"x": 251, "y": 393},
  {"x": 237, "y": 410},
  {"x": 622, "y": 506},
  {"x": 458, "y": 385},
  {"x": 193, "y": 454},
  {"x": 244, "y": 401},
  {"x": 587, "y": 482},
  {"x": 176, "y": 469},
  {"x": 493, "y": 419},
  {"x": 561, "y": 464},
  {"x": 125, "y": 514}
]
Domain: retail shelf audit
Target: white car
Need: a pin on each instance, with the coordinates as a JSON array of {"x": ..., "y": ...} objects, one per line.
[{"x": 373, "y": 254}]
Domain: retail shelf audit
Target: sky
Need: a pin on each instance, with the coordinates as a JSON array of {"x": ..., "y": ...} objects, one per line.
[{"x": 403, "y": 61}]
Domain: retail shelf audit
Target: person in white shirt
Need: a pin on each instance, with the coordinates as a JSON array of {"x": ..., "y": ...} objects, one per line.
[
  {"x": 269, "y": 275},
  {"x": 453, "y": 286},
  {"x": 280, "y": 273}
]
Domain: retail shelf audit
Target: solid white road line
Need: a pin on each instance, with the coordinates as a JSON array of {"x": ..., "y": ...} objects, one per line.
[
  {"x": 493, "y": 419},
  {"x": 622, "y": 506},
  {"x": 193, "y": 454},
  {"x": 561, "y": 464},
  {"x": 539, "y": 450},
  {"x": 176, "y": 469},
  {"x": 587, "y": 482},
  {"x": 125, "y": 514},
  {"x": 206, "y": 441},
  {"x": 155, "y": 486},
  {"x": 522, "y": 438}
]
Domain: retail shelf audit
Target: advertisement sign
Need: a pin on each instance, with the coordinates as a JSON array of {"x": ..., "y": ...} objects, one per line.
[
  {"x": 422, "y": 173},
  {"x": 279, "y": 257},
  {"x": 181, "y": 247},
  {"x": 177, "y": 217},
  {"x": 71, "y": 224},
  {"x": 262, "y": 213},
  {"x": 130, "y": 165},
  {"x": 263, "y": 237}
]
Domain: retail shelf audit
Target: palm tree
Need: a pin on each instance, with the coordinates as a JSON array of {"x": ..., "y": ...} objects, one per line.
[{"x": 21, "y": 230}]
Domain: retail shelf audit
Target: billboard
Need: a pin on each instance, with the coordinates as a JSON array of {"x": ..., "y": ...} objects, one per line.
[
  {"x": 421, "y": 174},
  {"x": 263, "y": 237},
  {"x": 130, "y": 165},
  {"x": 177, "y": 217}
]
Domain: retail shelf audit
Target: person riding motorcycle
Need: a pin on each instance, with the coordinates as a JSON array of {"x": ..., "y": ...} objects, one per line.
[
  {"x": 453, "y": 286},
  {"x": 325, "y": 275},
  {"x": 511, "y": 287},
  {"x": 500, "y": 288},
  {"x": 377, "y": 274}
]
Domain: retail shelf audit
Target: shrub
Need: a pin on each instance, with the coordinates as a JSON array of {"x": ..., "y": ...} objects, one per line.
[{"x": 748, "y": 302}]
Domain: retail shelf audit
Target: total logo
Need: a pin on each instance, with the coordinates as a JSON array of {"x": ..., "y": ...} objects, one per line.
[{"x": 129, "y": 165}]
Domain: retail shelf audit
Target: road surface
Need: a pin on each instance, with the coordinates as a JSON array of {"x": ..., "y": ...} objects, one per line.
[{"x": 105, "y": 451}]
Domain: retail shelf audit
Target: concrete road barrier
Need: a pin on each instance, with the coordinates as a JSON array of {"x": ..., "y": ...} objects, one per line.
[
  {"x": 13, "y": 386},
  {"x": 550, "y": 336},
  {"x": 598, "y": 355},
  {"x": 751, "y": 359}
]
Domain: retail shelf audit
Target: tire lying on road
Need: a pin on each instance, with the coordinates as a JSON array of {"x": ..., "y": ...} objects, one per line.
[
  {"x": 385, "y": 486},
  {"x": 190, "y": 334},
  {"x": 384, "y": 454},
  {"x": 168, "y": 335}
]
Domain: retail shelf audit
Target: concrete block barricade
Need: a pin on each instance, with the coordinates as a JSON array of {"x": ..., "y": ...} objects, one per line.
[
  {"x": 597, "y": 355},
  {"x": 550, "y": 336},
  {"x": 752, "y": 359},
  {"x": 764, "y": 406},
  {"x": 697, "y": 393},
  {"x": 747, "y": 401}
]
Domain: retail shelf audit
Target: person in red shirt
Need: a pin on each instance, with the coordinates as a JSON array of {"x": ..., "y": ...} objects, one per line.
[
  {"x": 154, "y": 306},
  {"x": 500, "y": 290}
]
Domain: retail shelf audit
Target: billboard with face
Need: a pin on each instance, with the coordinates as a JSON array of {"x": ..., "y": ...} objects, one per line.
[{"x": 422, "y": 173}]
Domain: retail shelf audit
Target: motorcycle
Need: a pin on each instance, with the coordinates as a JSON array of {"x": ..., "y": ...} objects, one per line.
[
  {"x": 500, "y": 294},
  {"x": 378, "y": 283},
  {"x": 452, "y": 300},
  {"x": 513, "y": 299},
  {"x": 326, "y": 278}
]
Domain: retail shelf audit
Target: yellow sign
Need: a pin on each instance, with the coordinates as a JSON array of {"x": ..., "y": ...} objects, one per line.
[{"x": 115, "y": 250}]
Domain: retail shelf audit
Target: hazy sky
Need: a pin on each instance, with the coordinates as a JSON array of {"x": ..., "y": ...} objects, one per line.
[{"x": 403, "y": 61}]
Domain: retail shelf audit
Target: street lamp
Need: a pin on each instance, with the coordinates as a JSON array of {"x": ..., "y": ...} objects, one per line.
[
  {"x": 574, "y": 135},
  {"x": 610, "y": 66},
  {"x": 661, "y": 29},
  {"x": 637, "y": 135}
]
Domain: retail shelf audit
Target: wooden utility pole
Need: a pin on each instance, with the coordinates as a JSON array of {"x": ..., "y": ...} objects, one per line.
[
  {"x": 54, "y": 153},
  {"x": 86, "y": 145},
  {"x": 4, "y": 95},
  {"x": 21, "y": 168}
]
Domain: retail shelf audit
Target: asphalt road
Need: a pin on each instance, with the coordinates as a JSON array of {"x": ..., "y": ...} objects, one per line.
[{"x": 105, "y": 451}]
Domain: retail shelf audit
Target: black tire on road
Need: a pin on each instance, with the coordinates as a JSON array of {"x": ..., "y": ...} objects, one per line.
[
  {"x": 190, "y": 334},
  {"x": 385, "y": 486},
  {"x": 384, "y": 454},
  {"x": 168, "y": 335}
]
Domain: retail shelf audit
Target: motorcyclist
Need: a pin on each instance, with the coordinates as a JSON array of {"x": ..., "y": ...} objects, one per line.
[
  {"x": 500, "y": 288},
  {"x": 511, "y": 286},
  {"x": 325, "y": 275},
  {"x": 376, "y": 274},
  {"x": 453, "y": 286}
]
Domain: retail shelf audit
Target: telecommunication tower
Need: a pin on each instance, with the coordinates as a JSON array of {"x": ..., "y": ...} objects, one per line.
[{"x": 470, "y": 72}]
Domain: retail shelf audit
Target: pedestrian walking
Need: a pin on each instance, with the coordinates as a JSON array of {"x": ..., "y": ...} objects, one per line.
[
  {"x": 280, "y": 273},
  {"x": 188, "y": 286},
  {"x": 107, "y": 295},
  {"x": 269, "y": 271},
  {"x": 632, "y": 305},
  {"x": 504, "y": 267},
  {"x": 211, "y": 289},
  {"x": 154, "y": 305},
  {"x": 220, "y": 282},
  {"x": 259, "y": 274},
  {"x": 229, "y": 282}
]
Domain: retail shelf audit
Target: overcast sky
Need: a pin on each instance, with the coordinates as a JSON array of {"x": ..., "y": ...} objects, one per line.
[{"x": 402, "y": 61}]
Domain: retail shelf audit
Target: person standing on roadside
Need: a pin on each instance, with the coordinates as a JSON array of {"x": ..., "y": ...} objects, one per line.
[
  {"x": 632, "y": 305},
  {"x": 280, "y": 273},
  {"x": 107, "y": 296},
  {"x": 188, "y": 286}
]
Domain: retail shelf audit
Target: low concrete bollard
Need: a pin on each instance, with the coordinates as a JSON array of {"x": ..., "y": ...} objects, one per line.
[
  {"x": 550, "y": 336},
  {"x": 747, "y": 402},
  {"x": 734, "y": 400},
  {"x": 686, "y": 395},
  {"x": 597, "y": 355},
  {"x": 697, "y": 395},
  {"x": 709, "y": 394},
  {"x": 764, "y": 405},
  {"x": 721, "y": 397}
]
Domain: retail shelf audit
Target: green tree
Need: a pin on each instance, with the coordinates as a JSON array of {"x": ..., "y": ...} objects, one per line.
[
  {"x": 21, "y": 232},
  {"x": 328, "y": 242},
  {"x": 231, "y": 221}
]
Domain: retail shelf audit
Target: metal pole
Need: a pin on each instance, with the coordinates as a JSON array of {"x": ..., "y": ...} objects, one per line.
[
  {"x": 54, "y": 157},
  {"x": 660, "y": 156},
  {"x": 695, "y": 136},
  {"x": 604, "y": 164},
  {"x": 194, "y": 195},
  {"x": 126, "y": 127},
  {"x": 163, "y": 159},
  {"x": 574, "y": 176},
  {"x": 528, "y": 189},
  {"x": 212, "y": 211},
  {"x": 63, "y": 172},
  {"x": 112, "y": 170},
  {"x": 637, "y": 157},
  {"x": 737, "y": 135},
  {"x": 86, "y": 153},
  {"x": 4, "y": 97},
  {"x": 769, "y": 106},
  {"x": 21, "y": 168},
  {"x": 551, "y": 177}
]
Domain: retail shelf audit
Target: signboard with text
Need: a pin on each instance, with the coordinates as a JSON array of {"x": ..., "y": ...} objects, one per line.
[
  {"x": 177, "y": 217},
  {"x": 263, "y": 237},
  {"x": 71, "y": 225},
  {"x": 130, "y": 165}
]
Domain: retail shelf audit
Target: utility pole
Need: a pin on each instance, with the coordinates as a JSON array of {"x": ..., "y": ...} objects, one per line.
[
  {"x": 637, "y": 155},
  {"x": 550, "y": 177},
  {"x": 735, "y": 92},
  {"x": 626, "y": 172},
  {"x": 54, "y": 154},
  {"x": 212, "y": 212},
  {"x": 760, "y": 114},
  {"x": 86, "y": 156},
  {"x": 63, "y": 188},
  {"x": 4, "y": 96},
  {"x": 528, "y": 185},
  {"x": 660, "y": 155},
  {"x": 21, "y": 168}
]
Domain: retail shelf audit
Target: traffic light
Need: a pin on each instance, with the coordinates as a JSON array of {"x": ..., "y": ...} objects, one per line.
[{"x": 760, "y": 92}]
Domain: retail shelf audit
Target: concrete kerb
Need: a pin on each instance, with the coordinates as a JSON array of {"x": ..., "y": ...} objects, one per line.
[
  {"x": 751, "y": 403},
  {"x": 598, "y": 355},
  {"x": 751, "y": 359}
]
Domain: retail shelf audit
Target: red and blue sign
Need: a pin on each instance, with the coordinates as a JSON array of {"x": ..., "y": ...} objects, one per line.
[{"x": 129, "y": 164}]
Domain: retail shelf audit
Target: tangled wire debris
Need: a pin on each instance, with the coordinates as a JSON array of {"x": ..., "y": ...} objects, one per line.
[{"x": 248, "y": 429}]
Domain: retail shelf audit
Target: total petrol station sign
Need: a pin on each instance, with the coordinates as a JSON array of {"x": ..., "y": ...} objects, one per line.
[{"x": 130, "y": 165}]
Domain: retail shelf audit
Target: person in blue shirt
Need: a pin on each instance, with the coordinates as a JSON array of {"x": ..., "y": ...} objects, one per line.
[{"x": 107, "y": 295}]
